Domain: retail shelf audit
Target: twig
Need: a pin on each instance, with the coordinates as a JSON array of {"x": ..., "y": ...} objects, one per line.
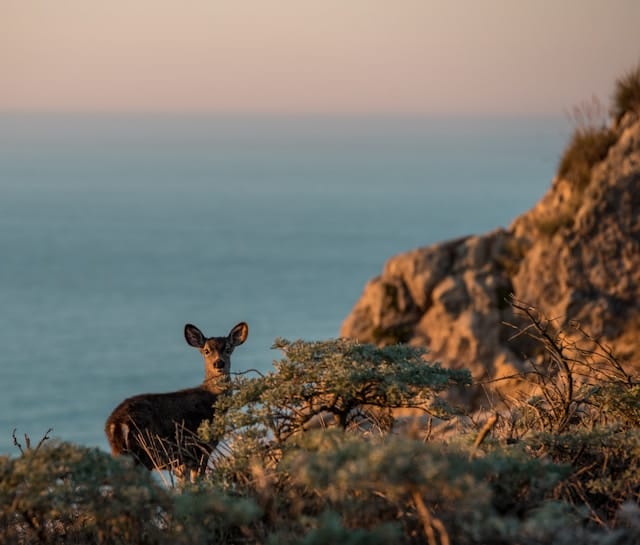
[
  {"x": 482, "y": 434},
  {"x": 15, "y": 441},
  {"x": 27, "y": 441},
  {"x": 44, "y": 438},
  {"x": 247, "y": 371},
  {"x": 429, "y": 522}
]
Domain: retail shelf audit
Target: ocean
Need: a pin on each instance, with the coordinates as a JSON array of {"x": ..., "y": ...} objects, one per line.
[{"x": 116, "y": 230}]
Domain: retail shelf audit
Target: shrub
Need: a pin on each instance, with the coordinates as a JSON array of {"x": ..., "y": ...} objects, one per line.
[
  {"x": 626, "y": 97},
  {"x": 431, "y": 488},
  {"x": 62, "y": 493},
  {"x": 606, "y": 467},
  {"x": 583, "y": 413},
  {"x": 591, "y": 141},
  {"x": 578, "y": 383},
  {"x": 335, "y": 383},
  {"x": 311, "y": 456},
  {"x": 205, "y": 514},
  {"x": 587, "y": 147},
  {"x": 589, "y": 144}
]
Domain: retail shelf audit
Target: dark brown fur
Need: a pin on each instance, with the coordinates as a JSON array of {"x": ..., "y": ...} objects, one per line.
[{"x": 141, "y": 424}]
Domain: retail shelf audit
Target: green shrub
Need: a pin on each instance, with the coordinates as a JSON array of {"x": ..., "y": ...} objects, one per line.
[
  {"x": 430, "y": 489},
  {"x": 331, "y": 530},
  {"x": 62, "y": 493},
  {"x": 336, "y": 382},
  {"x": 311, "y": 456},
  {"x": 205, "y": 514},
  {"x": 605, "y": 467},
  {"x": 618, "y": 402},
  {"x": 626, "y": 97}
]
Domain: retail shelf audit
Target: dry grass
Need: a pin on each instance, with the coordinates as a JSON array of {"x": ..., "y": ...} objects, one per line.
[
  {"x": 626, "y": 97},
  {"x": 587, "y": 147}
]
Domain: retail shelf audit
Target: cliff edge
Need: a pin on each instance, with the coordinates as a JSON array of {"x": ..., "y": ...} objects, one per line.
[{"x": 574, "y": 256}]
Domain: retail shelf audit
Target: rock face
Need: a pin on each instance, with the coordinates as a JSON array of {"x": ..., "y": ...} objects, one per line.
[{"x": 575, "y": 255}]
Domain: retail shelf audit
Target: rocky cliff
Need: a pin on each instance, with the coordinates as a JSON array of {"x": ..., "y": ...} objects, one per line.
[{"x": 575, "y": 256}]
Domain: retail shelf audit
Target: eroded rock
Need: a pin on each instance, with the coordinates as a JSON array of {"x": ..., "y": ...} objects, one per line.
[{"x": 575, "y": 256}]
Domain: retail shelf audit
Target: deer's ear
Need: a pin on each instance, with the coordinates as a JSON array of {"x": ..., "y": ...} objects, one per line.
[
  {"x": 194, "y": 336},
  {"x": 239, "y": 334}
]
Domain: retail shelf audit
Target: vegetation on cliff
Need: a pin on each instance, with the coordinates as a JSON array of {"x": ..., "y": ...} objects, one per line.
[
  {"x": 626, "y": 96},
  {"x": 589, "y": 144},
  {"x": 323, "y": 450},
  {"x": 592, "y": 137}
]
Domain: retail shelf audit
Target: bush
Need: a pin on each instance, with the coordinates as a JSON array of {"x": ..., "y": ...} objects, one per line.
[
  {"x": 429, "y": 488},
  {"x": 335, "y": 383},
  {"x": 577, "y": 383},
  {"x": 587, "y": 147},
  {"x": 606, "y": 464},
  {"x": 626, "y": 97},
  {"x": 311, "y": 456},
  {"x": 62, "y": 493}
]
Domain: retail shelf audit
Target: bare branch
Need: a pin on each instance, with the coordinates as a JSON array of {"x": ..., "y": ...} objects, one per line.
[{"x": 15, "y": 441}]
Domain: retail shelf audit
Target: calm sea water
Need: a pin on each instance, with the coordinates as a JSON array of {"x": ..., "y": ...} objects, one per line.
[{"x": 116, "y": 230}]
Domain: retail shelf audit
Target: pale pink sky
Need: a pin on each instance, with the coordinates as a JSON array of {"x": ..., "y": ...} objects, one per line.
[{"x": 294, "y": 56}]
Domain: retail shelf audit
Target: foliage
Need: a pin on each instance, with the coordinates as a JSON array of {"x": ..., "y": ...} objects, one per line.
[
  {"x": 311, "y": 455},
  {"x": 626, "y": 97},
  {"x": 331, "y": 530},
  {"x": 427, "y": 487},
  {"x": 587, "y": 147},
  {"x": 578, "y": 382},
  {"x": 335, "y": 383},
  {"x": 590, "y": 143},
  {"x": 583, "y": 411},
  {"x": 618, "y": 402},
  {"x": 202, "y": 514},
  {"x": 608, "y": 459},
  {"x": 593, "y": 135},
  {"x": 70, "y": 494},
  {"x": 520, "y": 486}
]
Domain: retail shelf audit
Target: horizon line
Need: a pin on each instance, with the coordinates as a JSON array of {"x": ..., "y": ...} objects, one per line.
[{"x": 280, "y": 114}]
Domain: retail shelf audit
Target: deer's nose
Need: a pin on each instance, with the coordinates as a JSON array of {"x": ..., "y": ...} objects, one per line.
[{"x": 219, "y": 364}]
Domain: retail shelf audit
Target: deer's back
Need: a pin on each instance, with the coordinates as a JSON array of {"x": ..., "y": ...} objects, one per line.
[{"x": 156, "y": 415}]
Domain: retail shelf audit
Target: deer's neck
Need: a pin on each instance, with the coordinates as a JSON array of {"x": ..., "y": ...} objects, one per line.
[{"x": 215, "y": 384}]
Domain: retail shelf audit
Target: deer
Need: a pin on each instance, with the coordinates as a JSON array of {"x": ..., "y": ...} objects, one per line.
[{"x": 160, "y": 431}]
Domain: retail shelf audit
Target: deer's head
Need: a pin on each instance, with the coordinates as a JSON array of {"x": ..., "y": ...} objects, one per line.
[{"x": 216, "y": 351}]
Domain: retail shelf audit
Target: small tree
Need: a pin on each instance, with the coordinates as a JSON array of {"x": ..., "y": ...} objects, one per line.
[{"x": 335, "y": 383}]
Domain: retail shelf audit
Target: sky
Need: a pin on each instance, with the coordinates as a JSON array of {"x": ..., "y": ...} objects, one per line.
[{"x": 322, "y": 56}]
